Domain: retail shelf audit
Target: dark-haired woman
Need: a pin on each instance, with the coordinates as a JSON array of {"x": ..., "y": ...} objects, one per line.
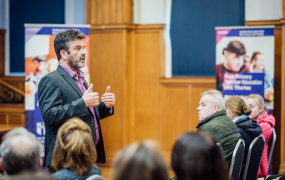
[{"x": 196, "y": 156}]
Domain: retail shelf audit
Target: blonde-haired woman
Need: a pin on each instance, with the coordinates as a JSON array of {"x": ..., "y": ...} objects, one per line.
[
  {"x": 266, "y": 121},
  {"x": 74, "y": 154},
  {"x": 140, "y": 161},
  {"x": 248, "y": 129}
]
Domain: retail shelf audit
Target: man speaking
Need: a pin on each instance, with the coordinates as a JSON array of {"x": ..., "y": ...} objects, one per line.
[{"x": 64, "y": 93}]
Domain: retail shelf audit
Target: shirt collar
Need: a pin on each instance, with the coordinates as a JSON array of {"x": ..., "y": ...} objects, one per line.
[{"x": 72, "y": 73}]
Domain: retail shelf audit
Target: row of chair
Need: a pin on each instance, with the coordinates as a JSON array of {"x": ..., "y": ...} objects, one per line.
[{"x": 253, "y": 158}]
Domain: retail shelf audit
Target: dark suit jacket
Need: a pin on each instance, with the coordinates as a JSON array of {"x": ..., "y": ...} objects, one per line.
[{"x": 61, "y": 99}]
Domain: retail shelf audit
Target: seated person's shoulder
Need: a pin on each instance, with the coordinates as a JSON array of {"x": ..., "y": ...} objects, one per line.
[
  {"x": 95, "y": 170},
  {"x": 64, "y": 174}
]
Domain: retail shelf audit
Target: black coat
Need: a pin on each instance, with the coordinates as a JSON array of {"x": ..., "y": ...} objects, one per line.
[{"x": 248, "y": 130}]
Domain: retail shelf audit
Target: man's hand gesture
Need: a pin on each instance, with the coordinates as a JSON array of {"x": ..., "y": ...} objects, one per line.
[
  {"x": 90, "y": 98},
  {"x": 108, "y": 98}
]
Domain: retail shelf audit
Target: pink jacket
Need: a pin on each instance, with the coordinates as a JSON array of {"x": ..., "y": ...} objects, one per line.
[{"x": 266, "y": 121}]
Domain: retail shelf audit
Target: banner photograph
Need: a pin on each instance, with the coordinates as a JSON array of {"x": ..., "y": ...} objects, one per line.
[
  {"x": 40, "y": 59},
  {"x": 245, "y": 62}
]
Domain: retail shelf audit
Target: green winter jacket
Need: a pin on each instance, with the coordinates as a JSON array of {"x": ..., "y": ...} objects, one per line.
[{"x": 224, "y": 130}]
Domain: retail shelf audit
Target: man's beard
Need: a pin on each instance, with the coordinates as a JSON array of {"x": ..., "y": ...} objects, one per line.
[{"x": 76, "y": 64}]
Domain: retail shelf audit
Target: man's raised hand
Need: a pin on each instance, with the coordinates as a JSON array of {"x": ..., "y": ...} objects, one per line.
[
  {"x": 90, "y": 98},
  {"x": 108, "y": 98}
]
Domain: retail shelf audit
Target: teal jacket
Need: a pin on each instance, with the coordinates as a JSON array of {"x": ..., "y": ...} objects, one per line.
[{"x": 224, "y": 130}]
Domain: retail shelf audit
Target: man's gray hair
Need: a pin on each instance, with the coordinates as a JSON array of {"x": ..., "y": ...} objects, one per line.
[
  {"x": 217, "y": 98},
  {"x": 20, "y": 151}
]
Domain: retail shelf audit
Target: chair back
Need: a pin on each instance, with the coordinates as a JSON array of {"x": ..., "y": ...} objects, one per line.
[
  {"x": 271, "y": 145},
  {"x": 237, "y": 159},
  {"x": 253, "y": 158},
  {"x": 96, "y": 177}
]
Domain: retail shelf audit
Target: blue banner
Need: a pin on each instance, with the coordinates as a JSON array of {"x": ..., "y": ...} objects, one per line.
[{"x": 243, "y": 84}]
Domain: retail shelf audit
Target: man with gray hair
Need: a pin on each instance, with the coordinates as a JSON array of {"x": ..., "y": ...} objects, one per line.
[
  {"x": 214, "y": 120},
  {"x": 20, "y": 151}
]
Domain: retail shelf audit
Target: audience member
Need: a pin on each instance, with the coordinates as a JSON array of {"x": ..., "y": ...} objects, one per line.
[
  {"x": 215, "y": 121},
  {"x": 74, "y": 154},
  {"x": 196, "y": 156},
  {"x": 20, "y": 151},
  {"x": 249, "y": 129},
  {"x": 266, "y": 121},
  {"x": 140, "y": 161}
]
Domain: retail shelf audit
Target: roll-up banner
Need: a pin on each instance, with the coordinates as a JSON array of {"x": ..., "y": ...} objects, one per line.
[
  {"x": 245, "y": 62},
  {"x": 40, "y": 59}
]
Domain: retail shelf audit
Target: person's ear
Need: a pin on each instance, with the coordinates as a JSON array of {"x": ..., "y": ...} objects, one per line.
[
  {"x": 64, "y": 54},
  {"x": 225, "y": 53},
  {"x": 216, "y": 108}
]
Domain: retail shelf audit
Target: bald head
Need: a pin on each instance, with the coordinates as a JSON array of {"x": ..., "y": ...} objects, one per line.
[
  {"x": 21, "y": 145},
  {"x": 20, "y": 151}
]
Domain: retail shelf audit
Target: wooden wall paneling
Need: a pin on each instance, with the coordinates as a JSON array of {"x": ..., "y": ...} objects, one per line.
[
  {"x": 17, "y": 119},
  {"x": 17, "y": 82},
  {"x": 283, "y": 9},
  {"x": 2, "y": 52},
  {"x": 148, "y": 58},
  {"x": 118, "y": 13},
  {"x": 174, "y": 114},
  {"x": 196, "y": 86},
  {"x": 3, "y": 118},
  {"x": 179, "y": 101},
  {"x": 129, "y": 128},
  {"x": 10, "y": 94},
  {"x": 128, "y": 11},
  {"x": 107, "y": 67},
  {"x": 262, "y": 23},
  {"x": 277, "y": 101},
  {"x": 90, "y": 16},
  {"x": 282, "y": 123},
  {"x": 109, "y": 12},
  {"x": 12, "y": 114}
]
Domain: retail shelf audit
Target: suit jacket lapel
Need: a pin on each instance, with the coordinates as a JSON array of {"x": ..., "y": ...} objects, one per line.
[
  {"x": 86, "y": 84},
  {"x": 69, "y": 79}
]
